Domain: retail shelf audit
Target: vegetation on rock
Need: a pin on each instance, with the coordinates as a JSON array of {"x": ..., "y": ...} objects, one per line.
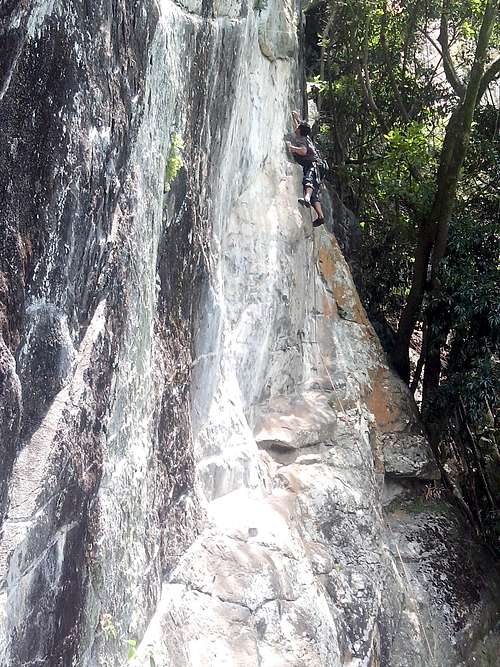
[{"x": 173, "y": 162}]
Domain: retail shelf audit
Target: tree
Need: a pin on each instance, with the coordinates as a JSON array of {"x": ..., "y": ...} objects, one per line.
[
  {"x": 413, "y": 128},
  {"x": 406, "y": 106},
  {"x": 433, "y": 229}
]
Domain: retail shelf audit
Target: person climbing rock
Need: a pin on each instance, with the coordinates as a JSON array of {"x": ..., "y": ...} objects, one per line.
[{"x": 305, "y": 153}]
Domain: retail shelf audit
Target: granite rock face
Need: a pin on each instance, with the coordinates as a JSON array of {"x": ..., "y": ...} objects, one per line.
[{"x": 204, "y": 454}]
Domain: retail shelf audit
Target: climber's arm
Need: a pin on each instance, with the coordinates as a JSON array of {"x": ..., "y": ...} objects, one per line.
[
  {"x": 295, "y": 120},
  {"x": 296, "y": 150}
]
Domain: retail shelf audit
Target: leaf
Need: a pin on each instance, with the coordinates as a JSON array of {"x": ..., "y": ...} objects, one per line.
[{"x": 132, "y": 644}]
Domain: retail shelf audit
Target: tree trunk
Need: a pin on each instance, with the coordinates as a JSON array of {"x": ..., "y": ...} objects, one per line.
[
  {"x": 411, "y": 310},
  {"x": 432, "y": 415},
  {"x": 433, "y": 233},
  {"x": 463, "y": 133}
]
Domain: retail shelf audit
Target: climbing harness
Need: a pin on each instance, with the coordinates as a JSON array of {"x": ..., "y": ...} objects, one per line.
[{"x": 367, "y": 468}]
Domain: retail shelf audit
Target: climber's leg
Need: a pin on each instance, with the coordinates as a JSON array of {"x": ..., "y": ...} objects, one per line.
[
  {"x": 308, "y": 185},
  {"x": 306, "y": 199},
  {"x": 320, "y": 219},
  {"x": 318, "y": 209},
  {"x": 316, "y": 204}
]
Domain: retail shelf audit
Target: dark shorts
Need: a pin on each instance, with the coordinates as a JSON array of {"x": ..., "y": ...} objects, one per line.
[{"x": 310, "y": 180}]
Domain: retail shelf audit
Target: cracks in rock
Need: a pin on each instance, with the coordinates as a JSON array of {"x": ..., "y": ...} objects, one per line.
[
  {"x": 39, "y": 511},
  {"x": 278, "y": 601},
  {"x": 60, "y": 534},
  {"x": 196, "y": 589},
  {"x": 285, "y": 456},
  {"x": 8, "y": 77},
  {"x": 264, "y": 545},
  {"x": 203, "y": 357},
  {"x": 348, "y": 487},
  {"x": 251, "y": 610}
]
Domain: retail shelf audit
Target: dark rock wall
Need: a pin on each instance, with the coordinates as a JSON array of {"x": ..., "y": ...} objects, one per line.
[
  {"x": 101, "y": 277},
  {"x": 10, "y": 416},
  {"x": 73, "y": 102},
  {"x": 68, "y": 124}
]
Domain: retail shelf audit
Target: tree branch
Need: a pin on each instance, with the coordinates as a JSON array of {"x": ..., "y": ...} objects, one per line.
[
  {"x": 448, "y": 174},
  {"x": 415, "y": 107},
  {"x": 431, "y": 40},
  {"x": 368, "y": 95},
  {"x": 409, "y": 37},
  {"x": 364, "y": 79},
  {"x": 367, "y": 160},
  {"x": 324, "y": 37},
  {"x": 489, "y": 76},
  {"x": 390, "y": 73},
  {"x": 421, "y": 361},
  {"x": 448, "y": 66}
]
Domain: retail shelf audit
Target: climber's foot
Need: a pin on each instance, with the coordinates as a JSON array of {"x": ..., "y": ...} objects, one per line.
[
  {"x": 304, "y": 202},
  {"x": 318, "y": 222}
]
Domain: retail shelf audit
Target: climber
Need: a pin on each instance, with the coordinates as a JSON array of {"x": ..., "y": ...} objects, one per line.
[{"x": 305, "y": 153}]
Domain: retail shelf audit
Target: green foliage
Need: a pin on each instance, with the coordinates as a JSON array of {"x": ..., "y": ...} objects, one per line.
[
  {"x": 408, "y": 146},
  {"x": 468, "y": 298},
  {"x": 111, "y": 633},
  {"x": 317, "y": 84},
  {"x": 108, "y": 628},
  {"x": 384, "y": 108},
  {"x": 132, "y": 651},
  {"x": 260, "y": 5},
  {"x": 132, "y": 645},
  {"x": 386, "y": 153},
  {"x": 432, "y": 500},
  {"x": 173, "y": 162}
]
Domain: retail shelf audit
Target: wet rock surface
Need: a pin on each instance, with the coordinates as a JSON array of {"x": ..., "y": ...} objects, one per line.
[
  {"x": 10, "y": 418},
  {"x": 197, "y": 421},
  {"x": 449, "y": 578}
]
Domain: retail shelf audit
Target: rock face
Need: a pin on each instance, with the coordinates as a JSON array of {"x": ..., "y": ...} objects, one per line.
[{"x": 206, "y": 460}]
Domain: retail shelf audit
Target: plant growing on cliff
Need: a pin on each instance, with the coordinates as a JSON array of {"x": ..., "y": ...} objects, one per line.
[
  {"x": 173, "y": 162},
  {"x": 259, "y": 5},
  {"x": 132, "y": 646},
  {"x": 111, "y": 633},
  {"x": 108, "y": 627}
]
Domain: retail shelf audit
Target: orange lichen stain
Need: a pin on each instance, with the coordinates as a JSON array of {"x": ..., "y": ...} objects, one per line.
[
  {"x": 347, "y": 299},
  {"x": 328, "y": 311},
  {"x": 343, "y": 293},
  {"x": 326, "y": 264},
  {"x": 379, "y": 402}
]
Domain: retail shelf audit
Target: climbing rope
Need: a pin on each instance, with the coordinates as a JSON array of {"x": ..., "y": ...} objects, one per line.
[{"x": 367, "y": 468}]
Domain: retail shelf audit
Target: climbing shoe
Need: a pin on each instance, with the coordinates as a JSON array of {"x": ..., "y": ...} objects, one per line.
[
  {"x": 318, "y": 222},
  {"x": 304, "y": 202}
]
